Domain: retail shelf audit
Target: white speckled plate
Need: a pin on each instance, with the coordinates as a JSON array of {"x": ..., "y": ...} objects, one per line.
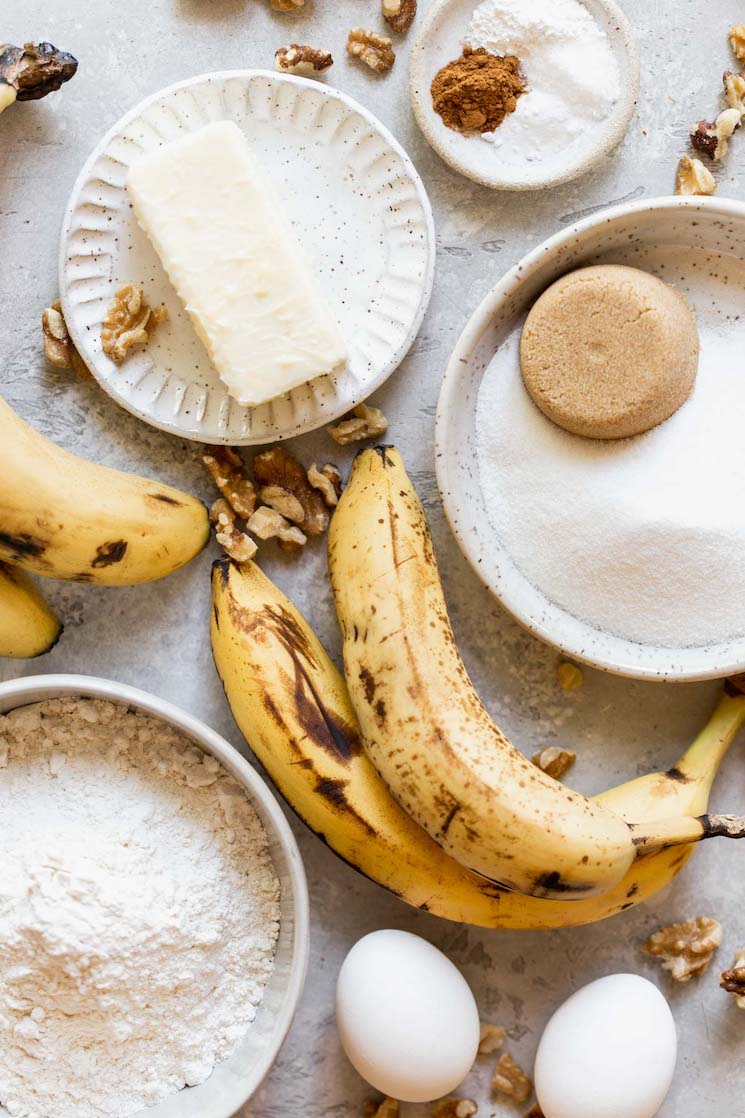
[
  {"x": 635, "y": 234},
  {"x": 441, "y": 38},
  {"x": 352, "y": 194}
]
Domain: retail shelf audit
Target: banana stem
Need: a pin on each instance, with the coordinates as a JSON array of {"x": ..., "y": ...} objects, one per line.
[{"x": 678, "y": 832}]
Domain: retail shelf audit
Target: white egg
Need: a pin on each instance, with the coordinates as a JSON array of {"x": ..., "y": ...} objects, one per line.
[
  {"x": 406, "y": 1016},
  {"x": 608, "y": 1052}
]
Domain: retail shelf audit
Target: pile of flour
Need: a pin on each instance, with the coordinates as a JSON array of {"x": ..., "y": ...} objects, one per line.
[
  {"x": 571, "y": 71},
  {"x": 139, "y": 911}
]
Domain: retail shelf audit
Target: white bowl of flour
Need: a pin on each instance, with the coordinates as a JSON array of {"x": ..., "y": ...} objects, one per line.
[
  {"x": 626, "y": 554},
  {"x": 581, "y": 67},
  {"x": 153, "y": 909}
]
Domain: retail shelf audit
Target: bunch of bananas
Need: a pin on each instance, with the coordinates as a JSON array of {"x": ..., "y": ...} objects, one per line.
[
  {"x": 400, "y": 769},
  {"x": 64, "y": 517}
]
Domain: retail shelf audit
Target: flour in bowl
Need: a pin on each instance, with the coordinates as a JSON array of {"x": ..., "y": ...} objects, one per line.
[{"x": 139, "y": 911}]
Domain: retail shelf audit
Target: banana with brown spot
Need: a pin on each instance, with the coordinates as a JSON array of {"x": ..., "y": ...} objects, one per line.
[
  {"x": 293, "y": 708},
  {"x": 428, "y": 734},
  {"x": 64, "y": 517}
]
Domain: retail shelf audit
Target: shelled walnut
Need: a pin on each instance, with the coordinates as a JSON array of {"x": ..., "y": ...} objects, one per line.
[
  {"x": 279, "y": 469},
  {"x": 129, "y": 321},
  {"x": 58, "y": 345},
  {"x": 287, "y": 5},
  {"x": 376, "y": 51},
  {"x": 554, "y": 761},
  {"x": 32, "y": 71},
  {"x": 737, "y": 39},
  {"x": 303, "y": 60},
  {"x": 367, "y": 423},
  {"x": 686, "y": 948},
  {"x": 733, "y": 980},
  {"x": 491, "y": 1039},
  {"x": 238, "y": 545},
  {"x": 734, "y": 90},
  {"x": 228, "y": 473},
  {"x": 712, "y": 138},
  {"x": 510, "y": 1079},
  {"x": 454, "y": 1108},
  {"x": 386, "y": 1108},
  {"x": 399, "y": 14},
  {"x": 268, "y": 524},
  {"x": 327, "y": 481},
  {"x": 693, "y": 178}
]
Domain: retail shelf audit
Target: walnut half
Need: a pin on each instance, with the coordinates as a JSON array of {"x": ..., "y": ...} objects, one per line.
[
  {"x": 237, "y": 544},
  {"x": 279, "y": 470},
  {"x": 510, "y": 1080},
  {"x": 737, "y": 39},
  {"x": 491, "y": 1038},
  {"x": 128, "y": 322},
  {"x": 712, "y": 138},
  {"x": 327, "y": 481},
  {"x": 268, "y": 524},
  {"x": 58, "y": 346},
  {"x": 399, "y": 14},
  {"x": 686, "y": 948},
  {"x": 367, "y": 423},
  {"x": 376, "y": 51},
  {"x": 693, "y": 178},
  {"x": 453, "y": 1107},
  {"x": 303, "y": 60},
  {"x": 229, "y": 475},
  {"x": 733, "y": 981}
]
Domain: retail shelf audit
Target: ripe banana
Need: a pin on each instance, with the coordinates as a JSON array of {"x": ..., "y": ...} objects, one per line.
[
  {"x": 428, "y": 734},
  {"x": 64, "y": 517},
  {"x": 293, "y": 708},
  {"x": 27, "y": 625}
]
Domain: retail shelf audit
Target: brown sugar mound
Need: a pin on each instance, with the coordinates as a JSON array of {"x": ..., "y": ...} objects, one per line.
[
  {"x": 609, "y": 351},
  {"x": 474, "y": 93}
]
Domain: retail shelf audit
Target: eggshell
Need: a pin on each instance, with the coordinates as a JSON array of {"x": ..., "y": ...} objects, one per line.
[
  {"x": 608, "y": 1052},
  {"x": 406, "y": 1016}
]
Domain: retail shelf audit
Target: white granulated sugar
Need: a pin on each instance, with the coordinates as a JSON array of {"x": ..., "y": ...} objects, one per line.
[
  {"x": 139, "y": 911},
  {"x": 643, "y": 537},
  {"x": 570, "y": 68}
]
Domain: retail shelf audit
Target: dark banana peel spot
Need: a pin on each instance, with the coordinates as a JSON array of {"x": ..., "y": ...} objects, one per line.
[
  {"x": 23, "y": 546},
  {"x": 109, "y": 553}
]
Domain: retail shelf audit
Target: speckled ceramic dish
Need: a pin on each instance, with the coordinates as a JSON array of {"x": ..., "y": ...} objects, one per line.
[
  {"x": 234, "y": 1081},
  {"x": 699, "y": 243},
  {"x": 441, "y": 38},
  {"x": 351, "y": 193}
]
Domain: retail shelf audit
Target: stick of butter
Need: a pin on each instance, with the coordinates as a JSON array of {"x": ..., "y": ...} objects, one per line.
[{"x": 235, "y": 262}]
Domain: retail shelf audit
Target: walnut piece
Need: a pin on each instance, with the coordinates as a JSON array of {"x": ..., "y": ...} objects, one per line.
[
  {"x": 491, "y": 1039},
  {"x": 686, "y": 948},
  {"x": 693, "y": 178},
  {"x": 568, "y": 676},
  {"x": 376, "y": 51},
  {"x": 453, "y": 1107},
  {"x": 129, "y": 321},
  {"x": 287, "y": 5},
  {"x": 734, "y": 90},
  {"x": 386, "y": 1108},
  {"x": 229, "y": 475},
  {"x": 237, "y": 544},
  {"x": 58, "y": 347},
  {"x": 554, "y": 761},
  {"x": 733, "y": 981},
  {"x": 510, "y": 1080},
  {"x": 304, "y": 60},
  {"x": 713, "y": 138},
  {"x": 283, "y": 502},
  {"x": 327, "y": 481},
  {"x": 367, "y": 423},
  {"x": 399, "y": 14},
  {"x": 737, "y": 39},
  {"x": 268, "y": 524},
  {"x": 30, "y": 72},
  {"x": 277, "y": 467}
]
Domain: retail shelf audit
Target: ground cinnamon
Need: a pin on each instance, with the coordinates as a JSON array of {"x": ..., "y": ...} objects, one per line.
[{"x": 474, "y": 93}]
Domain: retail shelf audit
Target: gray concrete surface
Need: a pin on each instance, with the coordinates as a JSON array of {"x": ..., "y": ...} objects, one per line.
[{"x": 156, "y": 636}]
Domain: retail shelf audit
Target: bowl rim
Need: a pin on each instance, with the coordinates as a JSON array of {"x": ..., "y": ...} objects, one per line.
[
  {"x": 38, "y": 688},
  {"x": 622, "y": 662},
  {"x": 624, "y": 44}
]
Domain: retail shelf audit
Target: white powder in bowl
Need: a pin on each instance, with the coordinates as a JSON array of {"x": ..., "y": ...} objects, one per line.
[
  {"x": 139, "y": 911},
  {"x": 643, "y": 538},
  {"x": 570, "y": 67}
]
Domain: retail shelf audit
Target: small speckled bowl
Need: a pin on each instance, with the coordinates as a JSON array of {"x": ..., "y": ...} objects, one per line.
[
  {"x": 622, "y": 234},
  {"x": 234, "y": 1081},
  {"x": 441, "y": 38}
]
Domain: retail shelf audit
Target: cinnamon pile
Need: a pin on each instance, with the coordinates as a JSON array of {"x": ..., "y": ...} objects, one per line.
[{"x": 474, "y": 93}]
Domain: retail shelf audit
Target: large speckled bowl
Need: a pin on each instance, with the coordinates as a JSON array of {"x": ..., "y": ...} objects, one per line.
[
  {"x": 630, "y": 234},
  {"x": 234, "y": 1081}
]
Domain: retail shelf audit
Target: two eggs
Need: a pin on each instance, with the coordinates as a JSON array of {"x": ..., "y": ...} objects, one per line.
[{"x": 410, "y": 1026}]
